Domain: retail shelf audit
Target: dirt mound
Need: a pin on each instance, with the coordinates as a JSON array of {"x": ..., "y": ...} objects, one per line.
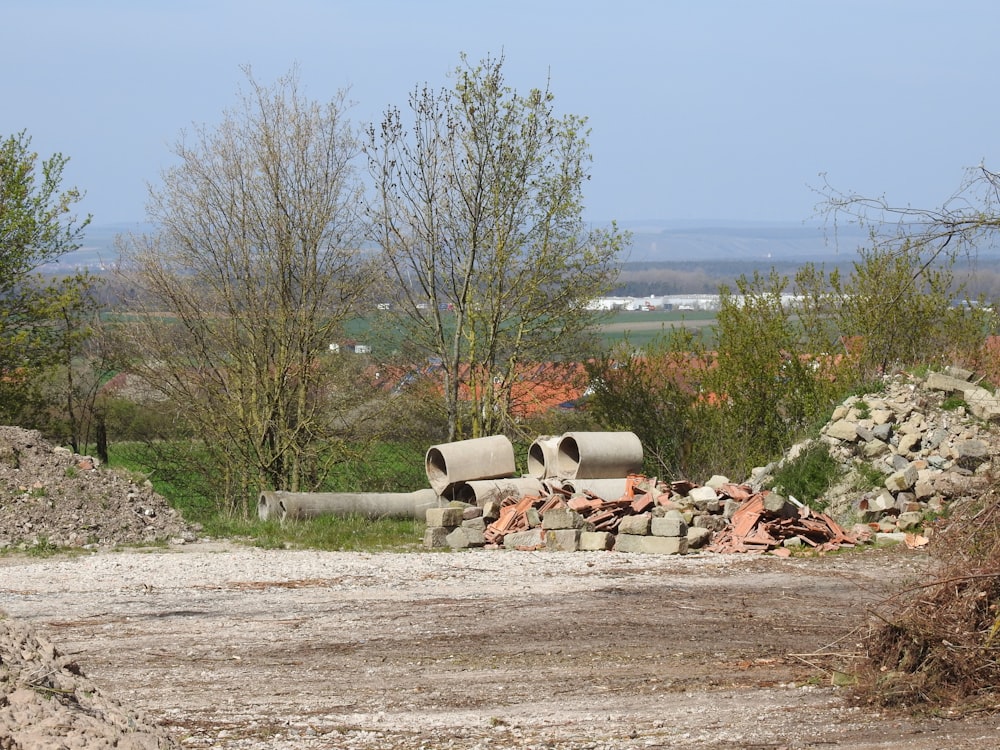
[
  {"x": 52, "y": 497},
  {"x": 47, "y": 702}
]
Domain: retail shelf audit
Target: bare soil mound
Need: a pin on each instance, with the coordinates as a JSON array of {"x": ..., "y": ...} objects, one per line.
[{"x": 46, "y": 702}]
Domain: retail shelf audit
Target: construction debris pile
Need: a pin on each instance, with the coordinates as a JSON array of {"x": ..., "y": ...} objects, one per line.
[
  {"x": 931, "y": 441},
  {"x": 575, "y": 498}
]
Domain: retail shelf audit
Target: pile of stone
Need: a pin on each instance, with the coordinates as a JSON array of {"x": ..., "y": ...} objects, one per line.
[
  {"x": 932, "y": 441},
  {"x": 650, "y": 517}
]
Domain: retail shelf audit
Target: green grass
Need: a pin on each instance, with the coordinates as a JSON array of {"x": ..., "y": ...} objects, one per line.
[
  {"x": 809, "y": 476},
  {"x": 385, "y": 467}
]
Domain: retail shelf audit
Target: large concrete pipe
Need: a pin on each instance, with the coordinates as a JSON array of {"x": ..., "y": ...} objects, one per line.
[
  {"x": 542, "y": 456},
  {"x": 606, "y": 489},
  {"x": 598, "y": 455},
  {"x": 480, "y": 491},
  {"x": 286, "y": 506},
  {"x": 479, "y": 458}
]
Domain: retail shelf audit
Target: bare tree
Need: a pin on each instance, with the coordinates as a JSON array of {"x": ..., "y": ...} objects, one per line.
[
  {"x": 253, "y": 269},
  {"x": 478, "y": 215}
]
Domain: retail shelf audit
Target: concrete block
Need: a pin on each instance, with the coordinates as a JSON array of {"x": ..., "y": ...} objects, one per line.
[
  {"x": 462, "y": 538},
  {"x": 446, "y": 517},
  {"x": 562, "y": 540},
  {"x": 698, "y": 537},
  {"x": 562, "y": 518},
  {"x": 596, "y": 541},
  {"x": 651, "y": 545},
  {"x": 532, "y": 538},
  {"x": 477, "y": 524},
  {"x": 668, "y": 526},
  {"x": 435, "y": 537},
  {"x": 637, "y": 525},
  {"x": 702, "y": 494}
]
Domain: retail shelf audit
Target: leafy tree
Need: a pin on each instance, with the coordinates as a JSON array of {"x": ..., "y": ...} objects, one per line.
[
  {"x": 37, "y": 226},
  {"x": 239, "y": 294},
  {"x": 478, "y": 215}
]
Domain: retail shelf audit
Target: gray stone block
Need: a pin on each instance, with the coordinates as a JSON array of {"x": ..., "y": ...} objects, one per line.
[
  {"x": 532, "y": 538},
  {"x": 445, "y": 517},
  {"x": 668, "y": 526},
  {"x": 637, "y": 525},
  {"x": 698, "y": 537},
  {"x": 562, "y": 540},
  {"x": 651, "y": 545},
  {"x": 562, "y": 518},
  {"x": 477, "y": 524},
  {"x": 435, "y": 537},
  {"x": 902, "y": 480},
  {"x": 596, "y": 541}
]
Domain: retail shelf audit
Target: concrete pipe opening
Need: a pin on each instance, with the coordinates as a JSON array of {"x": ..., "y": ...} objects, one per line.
[
  {"x": 479, "y": 458},
  {"x": 542, "y": 455},
  {"x": 598, "y": 455}
]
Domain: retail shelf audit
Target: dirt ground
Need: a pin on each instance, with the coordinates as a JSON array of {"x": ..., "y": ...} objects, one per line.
[{"x": 231, "y": 647}]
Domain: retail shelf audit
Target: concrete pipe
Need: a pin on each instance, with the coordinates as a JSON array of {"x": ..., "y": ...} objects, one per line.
[
  {"x": 481, "y": 491},
  {"x": 598, "y": 455},
  {"x": 286, "y": 506},
  {"x": 606, "y": 489},
  {"x": 542, "y": 456},
  {"x": 480, "y": 458}
]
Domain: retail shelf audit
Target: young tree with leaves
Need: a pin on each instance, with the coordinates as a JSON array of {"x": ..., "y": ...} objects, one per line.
[
  {"x": 254, "y": 269},
  {"x": 477, "y": 212},
  {"x": 37, "y": 226}
]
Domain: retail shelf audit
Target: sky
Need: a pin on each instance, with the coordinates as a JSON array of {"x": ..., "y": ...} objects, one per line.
[{"x": 699, "y": 109}]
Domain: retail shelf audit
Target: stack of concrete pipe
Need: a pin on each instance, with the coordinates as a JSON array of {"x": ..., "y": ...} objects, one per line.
[
  {"x": 479, "y": 470},
  {"x": 583, "y": 456}
]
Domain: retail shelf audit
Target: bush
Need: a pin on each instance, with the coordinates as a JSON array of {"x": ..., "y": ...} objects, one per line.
[{"x": 808, "y": 476}]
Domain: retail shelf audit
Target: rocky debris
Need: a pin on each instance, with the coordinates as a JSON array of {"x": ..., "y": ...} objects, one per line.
[
  {"x": 47, "y": 702},
  {"x": 927, "y": 445},
  {"x": 51, "y": 497}
]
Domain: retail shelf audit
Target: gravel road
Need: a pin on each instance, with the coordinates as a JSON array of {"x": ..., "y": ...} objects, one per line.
[{"x": 232, "y": 647}]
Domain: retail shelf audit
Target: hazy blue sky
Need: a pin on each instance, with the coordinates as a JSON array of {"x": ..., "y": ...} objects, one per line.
[{"x": 700, "y": 109}]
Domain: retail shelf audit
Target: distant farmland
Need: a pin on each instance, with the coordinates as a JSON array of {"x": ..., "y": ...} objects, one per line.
[{"x": 642, "y": 327}]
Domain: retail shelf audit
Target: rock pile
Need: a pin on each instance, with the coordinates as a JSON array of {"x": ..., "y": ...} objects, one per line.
[
  {"x": 50, "y": 496},
  {"x": 930, "y": 442}
]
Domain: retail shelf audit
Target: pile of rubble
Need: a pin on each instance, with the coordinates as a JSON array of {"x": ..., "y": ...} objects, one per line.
[
  {"x": 932, "y": 442},
  {"x": 50, "y": 496},
  {"x": 47, "y": 702},
  {"x": 926, "y": 455}
]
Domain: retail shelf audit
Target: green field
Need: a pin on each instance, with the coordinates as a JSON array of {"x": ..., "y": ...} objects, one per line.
[{"x": 642, "y": 327}]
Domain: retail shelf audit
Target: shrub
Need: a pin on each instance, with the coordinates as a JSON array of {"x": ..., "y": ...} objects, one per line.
[{"x": 808, "y": 476}]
